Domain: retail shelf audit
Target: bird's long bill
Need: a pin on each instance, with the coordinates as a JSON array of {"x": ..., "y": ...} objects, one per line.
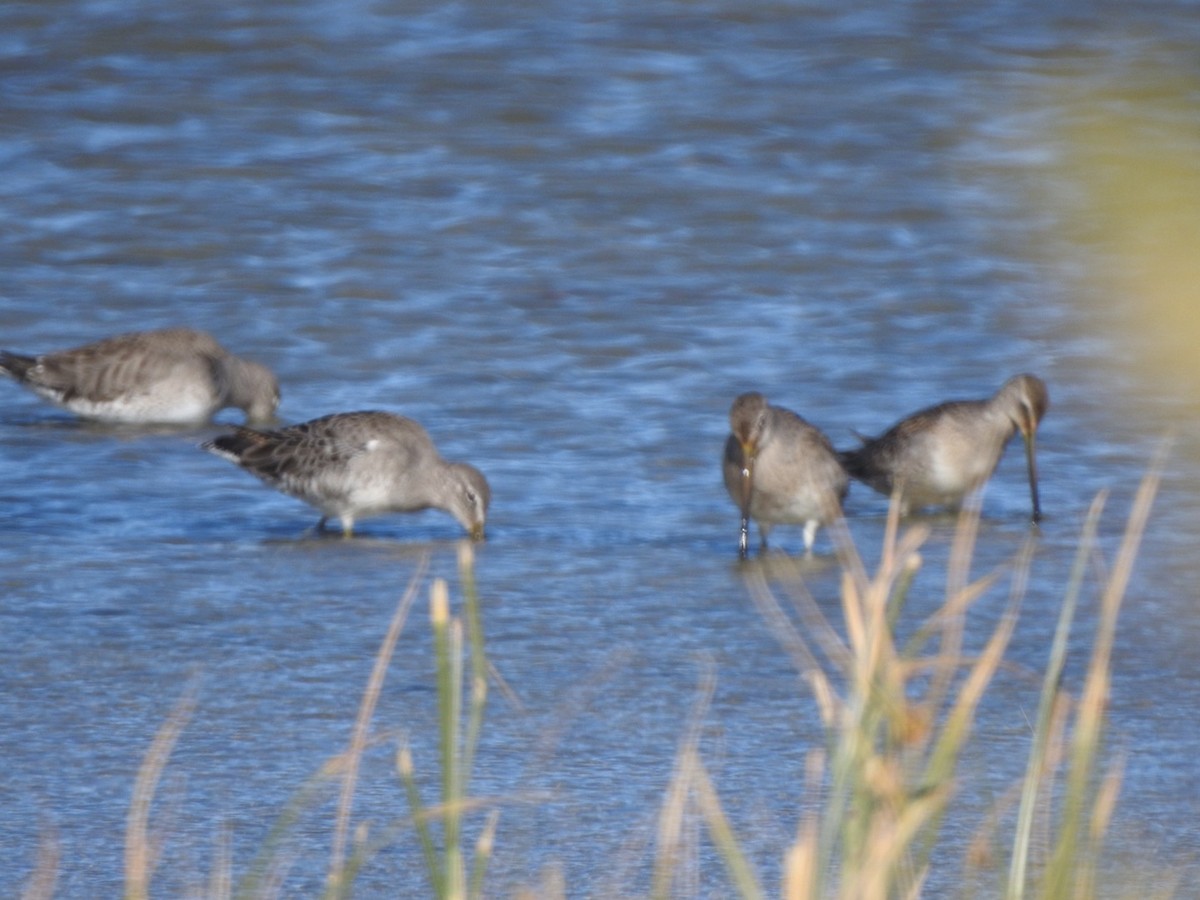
[
  {"x": 747, "y": 496},
  {"x": 1031, "y": 464},
  {"x": 477, "y": 532}
]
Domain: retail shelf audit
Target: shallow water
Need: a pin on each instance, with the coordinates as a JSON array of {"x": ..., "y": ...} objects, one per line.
[{"x": 563, "y": 238}]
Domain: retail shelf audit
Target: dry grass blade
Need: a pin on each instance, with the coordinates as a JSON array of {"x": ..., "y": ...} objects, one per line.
[
  {"x": 139, "y": 854},
  {"x": 959, "y": 596},
  {"x": 483, "y": 853},
  {"x": 954, "y": 732},
  {"x": 875, "y": 877},
  {"x": 801, "y": 873},
  {"x": 785, "y": 632},
  {"x": 1089, "y": 721},
  {"x": 671, "y": 817},
  {"x": 722, "y": 834},
  {"x": 1102, "y": 813},
  {"x": 358, "y": 739},
  {"x": 44, "y": 877},
  {"x": 220, "y": 881}
]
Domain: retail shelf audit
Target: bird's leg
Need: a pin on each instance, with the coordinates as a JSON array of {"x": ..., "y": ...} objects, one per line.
[
  {"x": 810, "y": 534},
  {"x": 763, "y": 531}
]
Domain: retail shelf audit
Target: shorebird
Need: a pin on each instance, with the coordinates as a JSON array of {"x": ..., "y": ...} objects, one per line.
[
  {"x": 939, "y": 455},
  {"x": 176, "y": 376},
  {"x": 780, "y": 469},
  {"x": 358, "y": 464}
]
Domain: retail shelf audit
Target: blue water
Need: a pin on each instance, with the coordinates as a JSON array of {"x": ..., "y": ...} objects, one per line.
[{"x": 563, "y": 237}]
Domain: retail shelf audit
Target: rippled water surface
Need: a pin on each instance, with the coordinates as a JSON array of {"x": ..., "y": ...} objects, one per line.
[{"x": 563, "y": 237}]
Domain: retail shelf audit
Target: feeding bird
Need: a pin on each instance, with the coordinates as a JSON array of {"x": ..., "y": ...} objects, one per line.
[
  {"x": 779, "y": 469},
  {"x": 359, "y": 464},
  {"x": 174, "y": 376},
  {"x": 939, "y": 455}
]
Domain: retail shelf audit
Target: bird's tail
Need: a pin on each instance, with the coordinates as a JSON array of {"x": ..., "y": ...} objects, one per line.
[
  {"x": 852, "y": 462},
  {"x": 16, "y": 366},
  {"x": 234, "y": 446}
]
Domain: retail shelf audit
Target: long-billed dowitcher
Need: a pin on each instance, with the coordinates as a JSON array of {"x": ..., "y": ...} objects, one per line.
[
  {"x": 176, "y": 376},
  {"x": 779, "y": 469},
  {"x": 359, "y": 464},
  {"x": 939, "y": 455}
]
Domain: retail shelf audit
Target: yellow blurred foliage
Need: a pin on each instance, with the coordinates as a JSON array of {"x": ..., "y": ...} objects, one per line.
[{"x": 1132, "y": 162}]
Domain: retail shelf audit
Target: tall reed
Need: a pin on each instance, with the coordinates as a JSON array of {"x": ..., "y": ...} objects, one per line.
[
  {"x": 459, "y": 738},
  {"x": 898, "y": 720},
  {"x": 459, "y": 732}
]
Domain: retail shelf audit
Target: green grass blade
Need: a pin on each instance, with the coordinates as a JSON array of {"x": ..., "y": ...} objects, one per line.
[{"x": 1050, "y": 685}]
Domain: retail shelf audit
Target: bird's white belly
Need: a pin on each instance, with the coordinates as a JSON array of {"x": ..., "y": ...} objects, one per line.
[
  {"x": 153, "y": 406},
  {"x": 357, "y": 492},
  {"x": 950, "y": 477},
  {"x": 784, "y": 508}
]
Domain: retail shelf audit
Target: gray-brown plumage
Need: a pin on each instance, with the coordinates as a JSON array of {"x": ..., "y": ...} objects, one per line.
[
  {"x": 175, "y": 376},
  {"x": 779, "y": 469},
  {"x": 940, "y": 455},
  {"x": 359, "y": 464}
]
